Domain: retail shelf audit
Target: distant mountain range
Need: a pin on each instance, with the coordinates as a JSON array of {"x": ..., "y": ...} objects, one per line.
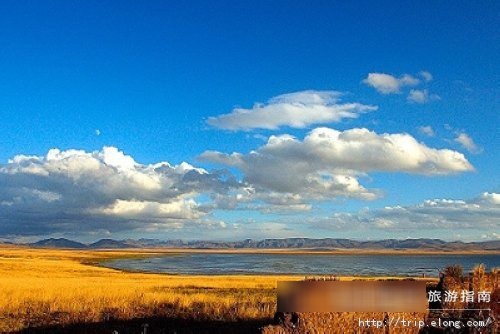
[{"x": 305, "y": 243}]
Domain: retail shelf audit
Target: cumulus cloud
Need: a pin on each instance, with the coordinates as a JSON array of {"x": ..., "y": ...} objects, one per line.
[
  {"x": 109, "y": 191},
  {"x": 296, "y": 110},
  {"x": 328, "y": 163},
  {"x": 106, "y": 189},
  {"x": 388, "y": 84},
  {"x": 481, "y": 213},
  {"x": 467, "y": 142},
  {"x": 426, "y": 130}
]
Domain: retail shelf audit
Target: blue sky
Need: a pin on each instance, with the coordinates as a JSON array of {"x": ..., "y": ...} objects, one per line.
[{"x": 147, "y": 78}]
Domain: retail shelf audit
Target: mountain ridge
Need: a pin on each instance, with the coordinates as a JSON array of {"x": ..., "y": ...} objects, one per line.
[{"x": 272, "y": 243}]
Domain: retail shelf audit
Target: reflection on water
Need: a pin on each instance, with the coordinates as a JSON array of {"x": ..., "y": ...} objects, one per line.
[{"x": 313, "y": 264}]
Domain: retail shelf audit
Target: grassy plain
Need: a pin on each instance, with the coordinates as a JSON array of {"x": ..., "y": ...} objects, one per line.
[
  {"x": 46, "y": 287},
  {"x": 42, "y": 287}
]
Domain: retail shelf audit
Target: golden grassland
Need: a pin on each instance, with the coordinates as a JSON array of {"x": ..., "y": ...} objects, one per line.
[{"x": 42, "y": 287}]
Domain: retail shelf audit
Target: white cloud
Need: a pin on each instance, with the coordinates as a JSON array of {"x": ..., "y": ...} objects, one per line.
[
  {"x": 467, "y": 142},
  {"x": 426, "y": 130},
  {"x": 408, "y": 80},
  {"x": 418, "y": 96},
  {"x": 97, "y": 132},
  {"x": 421, "y": 96},
  {"x": 101, "y": 190},
  {"x": 389, "y": 84},
  {"x": 328, "y": 163},
  {"x": 106, "y": 190},
  {"x": 132, "y": 209},
  {"x": 296, "y": 110},
  {"x": 426, "y": 75}
]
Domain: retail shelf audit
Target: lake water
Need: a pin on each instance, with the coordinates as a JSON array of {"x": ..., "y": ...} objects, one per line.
[{"x": 302, "y": 264}]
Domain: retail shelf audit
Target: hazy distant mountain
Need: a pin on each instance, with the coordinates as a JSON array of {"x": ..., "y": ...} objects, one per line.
[
  {"x": 58, "y": 243},
  {"x": 327, "y": 243},
  {"x": 152, "y": 243},
  {"x": 110, "y": 243},
  {"x": 488, "y": 245}
]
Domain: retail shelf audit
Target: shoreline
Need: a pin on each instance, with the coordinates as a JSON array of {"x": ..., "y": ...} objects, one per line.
[
  {"x": 97, "y": 258},
  {"x": 286, "y": 251}
]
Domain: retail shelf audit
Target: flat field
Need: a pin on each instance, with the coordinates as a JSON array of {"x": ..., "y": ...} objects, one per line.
[
  {"x": 54, "y": 288},
  {"x": 44, "y": 287}
]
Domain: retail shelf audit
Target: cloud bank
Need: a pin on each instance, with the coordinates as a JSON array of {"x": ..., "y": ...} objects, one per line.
[
  {"x": 328, "y": 163},
  {"x": 481, "y": 213},
  {"x": 106, "y": 189}
]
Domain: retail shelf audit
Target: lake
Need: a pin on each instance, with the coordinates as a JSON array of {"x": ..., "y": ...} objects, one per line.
[{"x": 302, "y": 264}]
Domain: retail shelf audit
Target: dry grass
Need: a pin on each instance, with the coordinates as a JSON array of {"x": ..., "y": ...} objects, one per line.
[
  {"x": 42, "y": 287},
  {"x": 45, "y": 287}
]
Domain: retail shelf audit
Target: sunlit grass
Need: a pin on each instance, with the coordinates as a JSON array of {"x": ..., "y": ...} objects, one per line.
[{"x": 43, "y": 287}]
